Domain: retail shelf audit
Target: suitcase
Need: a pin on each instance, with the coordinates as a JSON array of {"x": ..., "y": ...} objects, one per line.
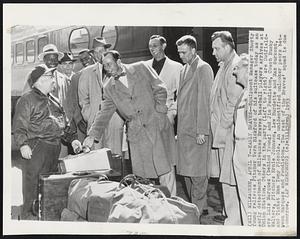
[
  {"x": 53, "y": 187},
  {"x": 94, "y": 160}
]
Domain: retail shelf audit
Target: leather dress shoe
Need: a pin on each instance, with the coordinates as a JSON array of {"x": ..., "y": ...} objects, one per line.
[
  {"x": 219, "y": 218},
  {"x": 204, "y": 212}
]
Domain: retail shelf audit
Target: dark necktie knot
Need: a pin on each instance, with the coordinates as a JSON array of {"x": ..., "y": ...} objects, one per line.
[{"x": 123, "y": 73}]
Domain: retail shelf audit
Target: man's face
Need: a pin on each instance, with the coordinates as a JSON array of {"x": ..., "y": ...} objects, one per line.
[
  {"x": 48, "y": 82},
  {"x": 111, "y": 66},
  {"x": 240, "y": 72},
  {"x": 67, "y": 67},
  {"x": 51, "y": 60},
  {"x": 98, "y": 52},
  {"x": 186, "y": 53},
  {"x": 155, "y": 47},
  {"x": 221, "y": 50},
  {"x": 86, "y": 59}
]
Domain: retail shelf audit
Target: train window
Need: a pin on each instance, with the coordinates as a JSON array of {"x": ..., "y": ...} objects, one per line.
[
  {"x": 30, "y": 51},
  {"x": 110, "y": 33},
  {"x": 19, "y": 53},
  {"x": 79, "y": 40},
  {"x": 43, "y": 41}
]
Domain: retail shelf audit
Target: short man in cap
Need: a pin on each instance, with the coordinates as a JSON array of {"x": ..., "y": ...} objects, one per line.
[
  {"x": 86, "y": 59},
  {"x": 138, "y": 94},
  {"x": 193, "y": 130},
  {"x": 39, "y": 123},
  {"x": 167, "y": 69},
  {"x": 223, "y": 98},
  {"x": 240, "y": 156},
  {"x": 90, "y": 93}
]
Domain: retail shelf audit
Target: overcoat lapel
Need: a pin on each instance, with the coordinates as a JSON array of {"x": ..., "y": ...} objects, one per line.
[
  {"x": 186, "y": 77},
  {"x": 98, "y": 73}
]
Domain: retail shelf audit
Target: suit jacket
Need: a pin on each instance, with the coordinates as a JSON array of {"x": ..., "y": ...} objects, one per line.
[
  {"x": 194, "y": 118},
  {"x": 143, "y": 105},
  {"x": 90, "y": 92},
  {"x": 224, "y": 95},
  {"x": 170, "y": 75},
  {"x": 73, "y": 101}
]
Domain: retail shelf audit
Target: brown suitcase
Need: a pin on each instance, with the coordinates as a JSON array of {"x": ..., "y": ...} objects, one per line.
[{"x": 53, "y": 187}]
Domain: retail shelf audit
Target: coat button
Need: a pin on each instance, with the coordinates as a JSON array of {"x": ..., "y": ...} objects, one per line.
[{"x": 144, "y": 125}]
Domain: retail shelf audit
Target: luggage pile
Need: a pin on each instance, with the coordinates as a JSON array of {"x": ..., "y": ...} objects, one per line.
[
  {"x": 132, "y": 200},
  {"x": 92, "y": 187}
]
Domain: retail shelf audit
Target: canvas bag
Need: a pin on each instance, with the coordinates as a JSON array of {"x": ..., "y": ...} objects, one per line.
[
  {"x": 82, "y": 190},
  {"x": 139, "y": 203}
]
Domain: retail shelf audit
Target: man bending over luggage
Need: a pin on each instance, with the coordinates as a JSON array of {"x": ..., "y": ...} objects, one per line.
[
  {"x": 139, "y": 96},
  {"x": 39, "y": 124}
]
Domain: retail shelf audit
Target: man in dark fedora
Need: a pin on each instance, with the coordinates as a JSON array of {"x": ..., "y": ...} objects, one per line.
[
  {"x": 90, "y": 94},
  {"x": 86, "y": 59},
  {"x": 66, "y": 65}
]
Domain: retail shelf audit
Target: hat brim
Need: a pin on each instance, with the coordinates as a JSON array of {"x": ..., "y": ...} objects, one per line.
[
  {"x": 67, "y": 61},
  {"x": 105, "y": 45},
  {"x": 43, "y": 54}
]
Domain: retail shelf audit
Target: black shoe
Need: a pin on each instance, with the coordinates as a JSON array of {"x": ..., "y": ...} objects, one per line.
[
  {"x": 35, "y": 207},
  {"x": 219, "y": 218},
  {"x": 204, "y": 212}
]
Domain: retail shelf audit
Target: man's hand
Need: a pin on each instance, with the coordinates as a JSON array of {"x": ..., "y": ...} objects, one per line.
[
  {"x": 26, "y": 152},
  {"x": 200, "y": 139},
  {"x": 76, "y": 145},
  {"x": 88, "y": 142}
]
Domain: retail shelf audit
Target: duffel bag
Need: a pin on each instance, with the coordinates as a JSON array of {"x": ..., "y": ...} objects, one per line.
[
  {"x": 101, "y": 191},
  {"x": 139, "y": 203}
]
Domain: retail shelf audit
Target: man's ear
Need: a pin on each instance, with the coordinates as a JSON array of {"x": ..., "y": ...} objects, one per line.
[
  {"x": 164, "y": 45},
  {"x": 194, "y": 51}
]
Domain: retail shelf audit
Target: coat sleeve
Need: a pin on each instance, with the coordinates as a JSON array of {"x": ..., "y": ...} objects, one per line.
[
  {"x": 21, "y": 122},
  {"x": 233, "y": 92},
  {"x": 158, "y": 88},
  {"x": 83, "y": 95},
  {"x": 205, "y": 79},
  {"x": 103, "y": 116},
  {"x": 172, "y": 104}
]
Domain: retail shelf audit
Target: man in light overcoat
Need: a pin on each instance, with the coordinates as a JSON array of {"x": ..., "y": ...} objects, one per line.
[
  {"x": 167, "y": 69},
  {"x": 193, "y": 131},
  {"x": 224, "y": 95},
  {"x": 138, "y": 94}
]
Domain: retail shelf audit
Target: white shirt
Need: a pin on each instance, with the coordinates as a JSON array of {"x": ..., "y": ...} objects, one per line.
[{"x": 123, "y": 80}]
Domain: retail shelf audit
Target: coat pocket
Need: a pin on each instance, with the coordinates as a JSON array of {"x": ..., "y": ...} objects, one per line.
[{"x": 133, "y": 133}]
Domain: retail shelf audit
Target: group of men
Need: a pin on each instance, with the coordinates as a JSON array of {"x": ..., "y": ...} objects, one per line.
[{"x": 107, "y": 95}]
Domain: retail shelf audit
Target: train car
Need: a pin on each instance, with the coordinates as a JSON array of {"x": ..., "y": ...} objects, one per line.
[{"x": 132, "y": 42}]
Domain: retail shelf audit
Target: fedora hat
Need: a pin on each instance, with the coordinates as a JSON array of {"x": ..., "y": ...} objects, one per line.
[
  {"x": 67, "y": 57},
  {"x": 50, "y": 49},
  {"x": 100, "y": 41}
]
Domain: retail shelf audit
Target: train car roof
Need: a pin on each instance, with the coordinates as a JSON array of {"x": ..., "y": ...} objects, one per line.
[{"x": 20, "y": 32}]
